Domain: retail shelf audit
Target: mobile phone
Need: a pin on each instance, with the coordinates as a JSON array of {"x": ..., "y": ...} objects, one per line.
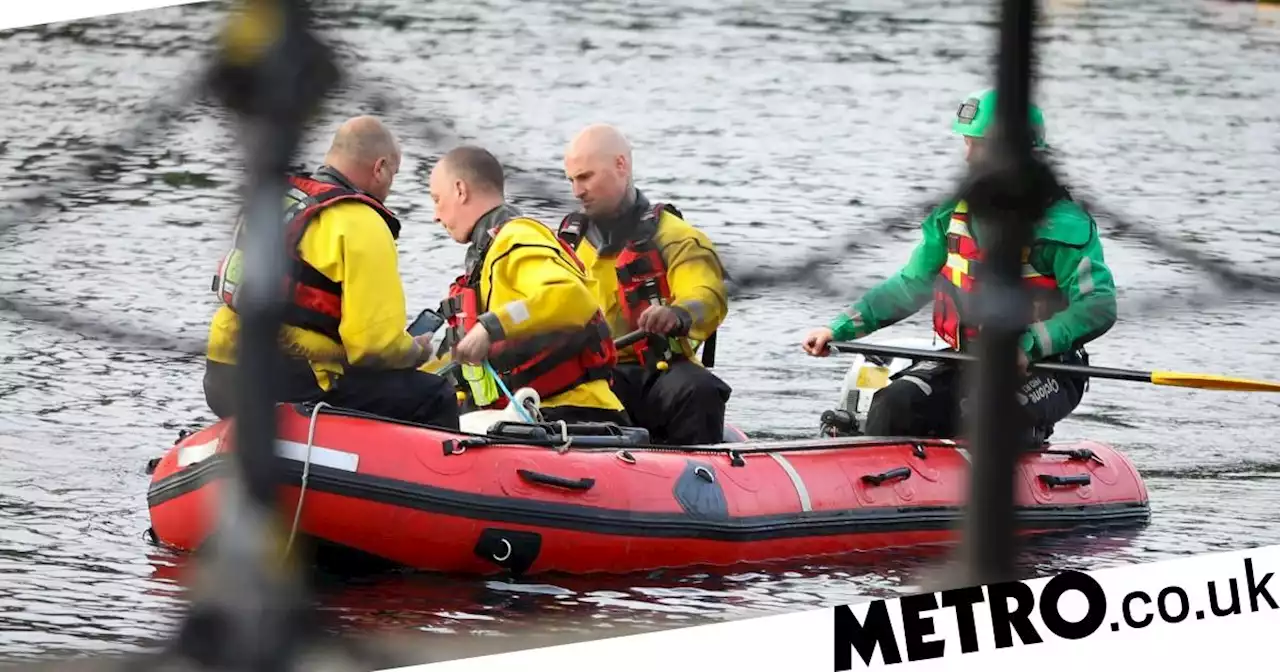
[{"x": 427, "y": 322}]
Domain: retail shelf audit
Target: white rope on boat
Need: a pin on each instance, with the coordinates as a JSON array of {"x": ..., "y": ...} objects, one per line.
[{"x": 306, "y": 472}]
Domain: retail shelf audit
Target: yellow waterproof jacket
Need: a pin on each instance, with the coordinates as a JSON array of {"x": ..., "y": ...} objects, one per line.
[
  {"x": 695, "y": 277},
  {"x": 530, "y": 286},
  {"x": 349, "y": 243}
]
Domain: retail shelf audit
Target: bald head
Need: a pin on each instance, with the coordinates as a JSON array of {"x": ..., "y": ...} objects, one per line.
[
  {"x": 601, "y": 140},
  {"x": 466, "y": 183},
  {"x": 367, "y": 153},
  {"x": 476, "y": 167},
  {"x": 598, "y": 165}
]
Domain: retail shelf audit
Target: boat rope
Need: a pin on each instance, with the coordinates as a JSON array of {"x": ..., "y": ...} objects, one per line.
[
  {"x": 511, "y": 399},
  {"x": 306, "y": 473}
]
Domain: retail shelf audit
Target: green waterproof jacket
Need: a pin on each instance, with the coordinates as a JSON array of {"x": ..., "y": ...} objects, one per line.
[{"x": 1066, "y": 247}]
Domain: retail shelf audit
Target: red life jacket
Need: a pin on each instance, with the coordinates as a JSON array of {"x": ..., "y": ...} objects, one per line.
[
  {"x": 551, "y": 364},
  {"x": 642, "y": 277},
  {"x": 315, "y": 300},
  {"x": 956, "y": 283}
]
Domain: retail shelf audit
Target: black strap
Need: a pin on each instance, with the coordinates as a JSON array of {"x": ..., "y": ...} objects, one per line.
[{"x": 572, "y": 228}]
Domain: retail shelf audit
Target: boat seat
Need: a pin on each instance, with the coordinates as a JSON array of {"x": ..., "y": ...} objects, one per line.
[{"x": 597, "y": 434}]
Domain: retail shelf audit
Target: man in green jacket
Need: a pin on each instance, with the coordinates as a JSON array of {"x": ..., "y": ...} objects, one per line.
[{"x": 1074, "y": 302}]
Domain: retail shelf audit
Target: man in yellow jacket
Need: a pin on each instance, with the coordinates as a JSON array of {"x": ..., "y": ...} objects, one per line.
[
  {"x": 525, "y": 307},
  {"x": 657, "y": 273},
  {"x": 345, "y": 337}
]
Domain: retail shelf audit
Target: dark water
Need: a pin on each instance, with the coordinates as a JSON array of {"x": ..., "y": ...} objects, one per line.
[{"x": 778, "y": 127}]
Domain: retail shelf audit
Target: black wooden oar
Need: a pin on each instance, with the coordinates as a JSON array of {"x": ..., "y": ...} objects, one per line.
[{"x": 1168, "y": 378}]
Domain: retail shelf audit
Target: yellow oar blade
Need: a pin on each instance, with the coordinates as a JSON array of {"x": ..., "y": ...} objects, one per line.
[
  {"x": 1211, "y": 382},
  {"x": 435, "y": 365}
]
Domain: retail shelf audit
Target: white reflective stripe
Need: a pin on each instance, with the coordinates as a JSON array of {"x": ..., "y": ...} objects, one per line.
[
  {"x": 197, "y": 452},
  {"x": 325, "y": 457},
  {"x": 964, "y": 453},
  {"x": 1084, "y": 271},
  {"x": 925, "y": 387},
  {"x": 957, "y": 262},
  {"x": 1043, "y": 339},
  {"x": 518, "y": 311},
  {"x": 802, "y": 491}
]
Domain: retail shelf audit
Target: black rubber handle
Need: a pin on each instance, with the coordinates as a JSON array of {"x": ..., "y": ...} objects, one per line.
[
  {"x": 548, "y": 479},
  {"x": 876, "y": 479},
  {"x": 1051, "y": 480}
]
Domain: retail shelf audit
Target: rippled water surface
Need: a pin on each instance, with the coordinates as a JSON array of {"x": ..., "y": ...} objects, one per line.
[{"x": 780, "y": 128}]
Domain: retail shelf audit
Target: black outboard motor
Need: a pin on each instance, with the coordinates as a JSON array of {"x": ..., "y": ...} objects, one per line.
[{"x": 838, "y": 422}]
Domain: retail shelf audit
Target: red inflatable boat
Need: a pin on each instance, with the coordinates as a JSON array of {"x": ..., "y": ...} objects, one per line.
[{"x": 521, "y": 498}]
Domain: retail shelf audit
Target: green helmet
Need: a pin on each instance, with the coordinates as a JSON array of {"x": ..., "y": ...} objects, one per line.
[{"x": 976, "y": 114}]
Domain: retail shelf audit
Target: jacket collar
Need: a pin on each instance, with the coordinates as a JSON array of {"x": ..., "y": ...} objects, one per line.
[
  {"x": 611, "y": 234},
  {"x": 327, "y": 173},
  {"x": 331, "y": 175},
  {"x": 485, "y": 229}
]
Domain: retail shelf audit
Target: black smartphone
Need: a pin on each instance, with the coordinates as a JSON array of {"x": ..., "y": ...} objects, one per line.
[{"x": 427, "y": 322}]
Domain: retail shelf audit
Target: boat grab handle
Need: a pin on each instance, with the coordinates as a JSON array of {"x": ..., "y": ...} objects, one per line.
[
  {"x": 877, "y": 479},
  {"x": 548, "y": 479},
  {"x": 1051, "y": 480}
]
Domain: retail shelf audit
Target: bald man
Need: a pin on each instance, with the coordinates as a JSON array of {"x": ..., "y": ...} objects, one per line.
[
  {"x": 657, "y": 273},
  {"x": 344, "y": 335},
  {"x": 524, "y": 302}
]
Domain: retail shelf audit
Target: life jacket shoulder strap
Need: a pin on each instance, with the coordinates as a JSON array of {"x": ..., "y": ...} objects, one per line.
[
  {"x": 571, "y": 229},
  {"x": 313, "y": 195},
  {"x": 659, "y": 207},
  {"x": 471, "y": 274}
]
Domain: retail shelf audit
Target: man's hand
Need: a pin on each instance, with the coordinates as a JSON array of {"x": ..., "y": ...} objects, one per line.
[
  {"x": 816, "y": 342},
  {"x": 473, "y": 347},
  {"x": 424, "y": 342},
  {"x": 660, "y": 320},
  {"x": 1023, "y": 363}
]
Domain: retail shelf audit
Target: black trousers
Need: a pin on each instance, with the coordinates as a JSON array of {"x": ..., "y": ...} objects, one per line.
[
  {"x": 682, "y": 406},
  {"x": 401, "y": 394},
  {"x": 929, "y": 399}
]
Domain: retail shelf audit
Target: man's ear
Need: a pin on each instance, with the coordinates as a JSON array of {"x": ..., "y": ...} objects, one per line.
[{"x": 460, "y": 188}]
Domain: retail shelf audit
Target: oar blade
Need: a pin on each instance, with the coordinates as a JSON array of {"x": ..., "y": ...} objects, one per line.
[{"x": 1212, "y": 382}]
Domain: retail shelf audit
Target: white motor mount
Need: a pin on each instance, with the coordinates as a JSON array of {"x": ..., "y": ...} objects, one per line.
[{"x": 866, "y": 375}]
